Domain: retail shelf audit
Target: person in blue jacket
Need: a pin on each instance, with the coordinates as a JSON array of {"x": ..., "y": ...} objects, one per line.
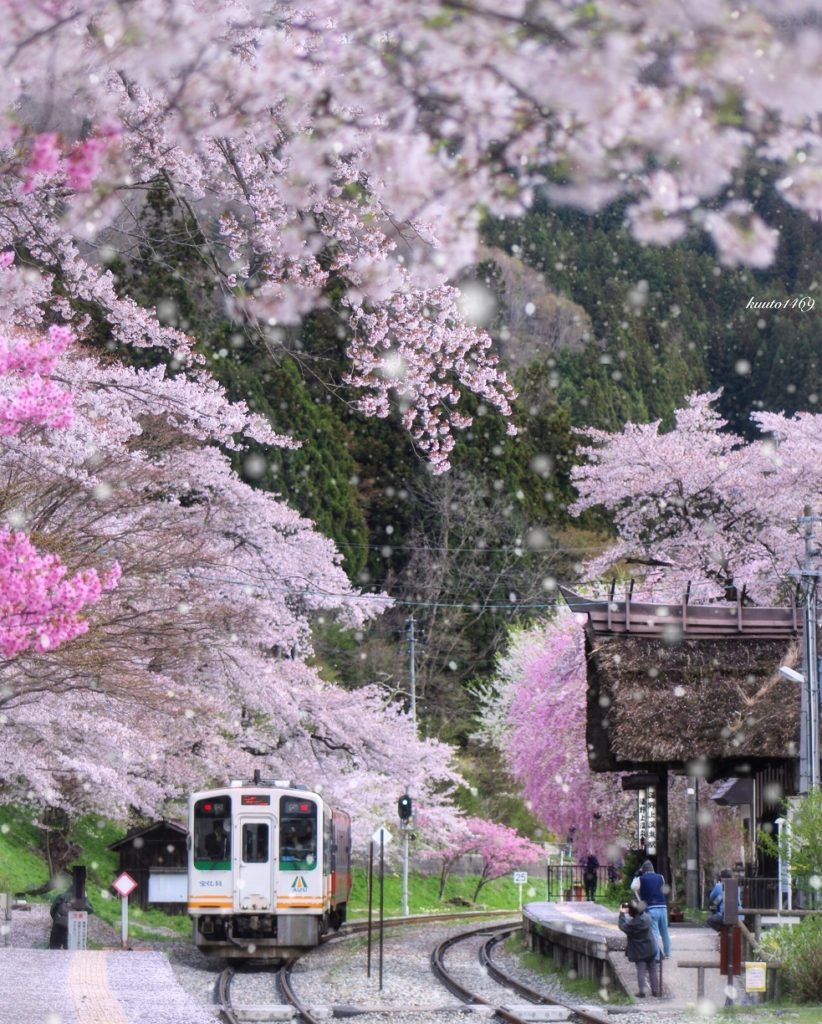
[
  {"x": 650, "y": 887},
  {"x": 716, "y": 897}
]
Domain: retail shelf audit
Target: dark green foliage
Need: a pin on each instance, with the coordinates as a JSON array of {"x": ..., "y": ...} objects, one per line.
[
  {"x": 318, "y": 478},
  {"x": 799, "y": 948},
  {"x": 649, "y": 308},
  {"x": 172, "y": 272}
]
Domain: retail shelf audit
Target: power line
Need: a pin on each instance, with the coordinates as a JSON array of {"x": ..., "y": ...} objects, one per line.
[{"x": 385, "y": 598}]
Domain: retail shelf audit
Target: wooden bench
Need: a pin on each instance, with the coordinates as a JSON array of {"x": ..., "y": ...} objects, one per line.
[{"x": 701, "y": 966}]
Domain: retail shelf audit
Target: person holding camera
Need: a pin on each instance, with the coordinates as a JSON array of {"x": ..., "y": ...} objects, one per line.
[{"x": 641, "y": 948}]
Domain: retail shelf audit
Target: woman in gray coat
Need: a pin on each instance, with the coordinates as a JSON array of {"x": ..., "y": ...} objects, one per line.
[{"x": 642, "y": 947}]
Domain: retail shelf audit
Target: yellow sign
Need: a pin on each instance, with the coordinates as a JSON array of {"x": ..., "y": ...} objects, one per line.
[{"x": 755, "y": 976}]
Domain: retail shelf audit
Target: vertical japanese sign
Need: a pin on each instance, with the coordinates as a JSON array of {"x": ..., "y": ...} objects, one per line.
[{"x": 646, "y": 818}]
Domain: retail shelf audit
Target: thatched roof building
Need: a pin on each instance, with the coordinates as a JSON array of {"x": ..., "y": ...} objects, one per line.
[{"x": 674, "y": 683}]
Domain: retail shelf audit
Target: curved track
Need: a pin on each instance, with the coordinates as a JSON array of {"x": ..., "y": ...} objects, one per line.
[
  {"x": 497, "y": 933},
  {"x": 501, "y": 977},
  {"x": 223, "y": 993}
]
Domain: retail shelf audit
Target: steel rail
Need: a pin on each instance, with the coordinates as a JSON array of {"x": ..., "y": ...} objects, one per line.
[
  {"x": 223, "y": 991},
  {"x": 284, "y": 980},
  {"x": 503, "y": 978},
  {"x": 223, "y": 986},
  {"x": 451, "y": 983},
  {"x": 502, "y": 932},
  {"x": 355, "y": 928}
]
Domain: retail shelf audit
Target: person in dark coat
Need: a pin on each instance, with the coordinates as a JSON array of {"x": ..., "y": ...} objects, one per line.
[
  {"x": 60, "y": 907},
  {"x": 589, "y": 876},
  {"x": 642, "y": 947}
]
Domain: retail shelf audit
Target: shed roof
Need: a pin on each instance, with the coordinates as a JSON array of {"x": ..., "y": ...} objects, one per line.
[
  {"x": 733, "y": 792},
  {"x": 146, "y": 833}
]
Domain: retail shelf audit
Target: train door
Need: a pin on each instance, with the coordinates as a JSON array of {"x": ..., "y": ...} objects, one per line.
[{"x": 255, "y": 866}]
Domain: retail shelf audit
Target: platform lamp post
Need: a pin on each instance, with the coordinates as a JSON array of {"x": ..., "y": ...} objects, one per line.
[
  {"x": 809, "y": 720},
  {"x": 808, "y": 578}
]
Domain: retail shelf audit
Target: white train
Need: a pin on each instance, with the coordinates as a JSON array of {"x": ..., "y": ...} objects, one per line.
[{"x": 269, "y": 869}]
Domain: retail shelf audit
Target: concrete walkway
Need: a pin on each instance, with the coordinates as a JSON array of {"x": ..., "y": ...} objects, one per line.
[
  {"x": 43, "y": 986},
  {"x": 688, "y": 942},
  {"x": 679, "y": 984}
]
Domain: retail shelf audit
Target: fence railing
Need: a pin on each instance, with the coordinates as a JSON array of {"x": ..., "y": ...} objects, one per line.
[
  {"x": 567, "y": 881},
  {"x": 759, "y": 892}
]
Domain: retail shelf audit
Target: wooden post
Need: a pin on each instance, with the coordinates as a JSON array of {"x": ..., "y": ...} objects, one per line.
[{"x": 662, "y": 859}]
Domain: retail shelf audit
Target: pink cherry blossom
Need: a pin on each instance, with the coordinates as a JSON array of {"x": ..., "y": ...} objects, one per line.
[
  {"x": 535, "y": 712},
  {"x": 360, "y": 144}
]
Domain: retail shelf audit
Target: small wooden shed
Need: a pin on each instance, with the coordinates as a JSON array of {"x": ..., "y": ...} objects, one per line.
[{"x": 156, "y": 857}]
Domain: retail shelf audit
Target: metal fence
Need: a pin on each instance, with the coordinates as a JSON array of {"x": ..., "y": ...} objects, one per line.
[
  {"x": 567, "y": 882},
  {"x": 759, "y": 892}
]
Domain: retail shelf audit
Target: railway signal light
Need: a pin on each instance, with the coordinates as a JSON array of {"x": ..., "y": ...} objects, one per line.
[{"x": 404, "y": 807}]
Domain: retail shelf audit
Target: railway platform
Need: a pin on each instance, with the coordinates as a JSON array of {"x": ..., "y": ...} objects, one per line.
[
  {"x": 586, "y": 936},
  {"x": 41, "y": 986}
]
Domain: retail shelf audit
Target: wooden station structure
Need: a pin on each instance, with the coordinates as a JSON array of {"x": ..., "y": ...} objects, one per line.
[{"x": 675, "y": 686}]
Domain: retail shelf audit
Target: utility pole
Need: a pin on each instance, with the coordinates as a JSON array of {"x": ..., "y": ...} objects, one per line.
[
  {"x": 410, "y": 623},
  {"x": 692, "y": 869},
  {"x": 809, "y": 704}
]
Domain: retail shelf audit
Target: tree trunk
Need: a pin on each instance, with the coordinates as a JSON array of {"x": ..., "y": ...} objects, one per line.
[{"x": 58, "y": 849}]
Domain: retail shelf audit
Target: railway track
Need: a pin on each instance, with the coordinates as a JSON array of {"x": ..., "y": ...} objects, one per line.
[
  {"x": 485, "y": 967},
  {"x": 486, "y": 963}
]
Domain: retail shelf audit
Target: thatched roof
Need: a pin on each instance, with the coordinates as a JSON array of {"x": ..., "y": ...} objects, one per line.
[{"x": 654, "y": 701}]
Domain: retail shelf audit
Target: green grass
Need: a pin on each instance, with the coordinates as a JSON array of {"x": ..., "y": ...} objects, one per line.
[
  {"x": 423, "y": 898},
  {"x": 21, "y": 866},
  {"x": 580, "y": 988},
  {"x": 773, "y": 1013}
]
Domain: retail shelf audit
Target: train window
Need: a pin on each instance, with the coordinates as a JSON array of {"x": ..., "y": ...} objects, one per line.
[
  {"x": 298, "y": 834},
  {"x": 255, "y": 843},
  {"x": 212, "y": 834}
]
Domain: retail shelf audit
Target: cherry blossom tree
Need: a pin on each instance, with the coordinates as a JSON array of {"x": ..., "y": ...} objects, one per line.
[
  {"x": 353, "y": 146},
  {"x": 535, "y": 710},
  {"x": 500, "y": 849},
  {"x": 40, "y": 605},
  {"x": 721, "y": 834},
  {"x": 198, "y": 666},
  {"x": 699, "y": 504}
]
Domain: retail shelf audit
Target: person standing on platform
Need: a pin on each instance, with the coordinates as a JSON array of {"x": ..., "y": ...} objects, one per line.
[
  {"x": 650, "y": 888},
  {"x": 642, "y": 948},
  {"x": 589, "y": 877}
]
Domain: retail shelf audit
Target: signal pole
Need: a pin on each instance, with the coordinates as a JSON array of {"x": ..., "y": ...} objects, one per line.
[
  {"x": 404, "y": 910},
  {"x": 405, "y": 810}
]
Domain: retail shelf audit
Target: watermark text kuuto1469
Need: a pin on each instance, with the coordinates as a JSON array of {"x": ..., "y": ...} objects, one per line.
[{"x": 804, "y": 303}]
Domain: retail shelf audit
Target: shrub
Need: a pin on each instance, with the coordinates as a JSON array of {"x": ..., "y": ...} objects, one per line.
[{"x": 799, "y": 947}]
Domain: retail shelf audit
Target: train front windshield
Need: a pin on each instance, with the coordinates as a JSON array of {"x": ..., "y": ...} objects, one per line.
[
  {"x": 212, "y": 834},
  {"x": 298, "y": 834}
]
